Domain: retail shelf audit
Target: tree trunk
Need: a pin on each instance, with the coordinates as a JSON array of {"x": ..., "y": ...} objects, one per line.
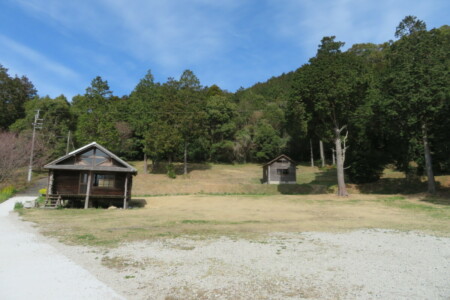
[
  {"x": 312, "y": 156},
  {"x": 322, "y": 155},
  {"x": 428, "y": 163},
  {"x": 334, "y": 157},
  {"x": 145, "y": 164},
  {"x": 185, "y": 158},
  {"x": 342, "y": 191}
]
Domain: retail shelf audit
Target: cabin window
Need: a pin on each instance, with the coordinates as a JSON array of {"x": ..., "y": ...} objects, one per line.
[
  {"x": 93, "y": 157},
  {"x": 104, "y": 180},
  {"x": 283, "y": 171},
  {"x": 100, "y": 157},
  {"x": 87, "y": 157}
]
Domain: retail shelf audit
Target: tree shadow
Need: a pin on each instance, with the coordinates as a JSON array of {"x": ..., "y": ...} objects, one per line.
[
  {"x": 161, "y": 168},
  {"x": 442, "y": 196},
  {"x": 322, "y": 183},
  {"x": 137, "y": 203},
  {"x": 394, "y": 186}
]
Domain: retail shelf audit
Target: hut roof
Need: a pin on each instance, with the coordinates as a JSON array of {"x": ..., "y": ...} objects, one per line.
[
  {"x": 121, "y": 165},
  {"x": 278, "y": 157}
]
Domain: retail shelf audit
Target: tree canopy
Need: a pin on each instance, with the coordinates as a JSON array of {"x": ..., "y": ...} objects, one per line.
[{"x": 371, "y": 105}]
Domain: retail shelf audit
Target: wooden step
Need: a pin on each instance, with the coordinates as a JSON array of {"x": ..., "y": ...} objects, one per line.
[{"x": 52, "y": 201}]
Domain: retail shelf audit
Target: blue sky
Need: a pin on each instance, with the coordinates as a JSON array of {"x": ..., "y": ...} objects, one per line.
[{"x": 62, "y": 45}]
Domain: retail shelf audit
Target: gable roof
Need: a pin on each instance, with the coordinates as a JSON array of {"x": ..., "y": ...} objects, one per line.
[
  {"x": 126, "y": 167},
  {"x": 278, "y": 157}
]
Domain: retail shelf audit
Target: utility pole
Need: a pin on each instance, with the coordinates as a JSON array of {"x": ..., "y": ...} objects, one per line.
[
  {"x": 37, "y": 124},
  {"x": 68, "y": 140}
]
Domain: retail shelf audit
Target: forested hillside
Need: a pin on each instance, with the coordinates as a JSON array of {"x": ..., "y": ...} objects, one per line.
[{"x": 370, "y": 106}]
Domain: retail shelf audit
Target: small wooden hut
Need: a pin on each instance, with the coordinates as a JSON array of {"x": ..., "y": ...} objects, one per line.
[
  {"x": 280, "y": 170},
  {"x": 90, "y": 174}
]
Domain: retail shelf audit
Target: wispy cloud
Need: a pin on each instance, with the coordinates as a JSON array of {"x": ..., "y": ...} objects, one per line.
[
  {"x": 36, "y": 58},
  {"x": 18, "y": 58},
  {"x": 233, "y": 42},
  {"x": 168, "y": 33},
  {"x": 352, "y": 21}
]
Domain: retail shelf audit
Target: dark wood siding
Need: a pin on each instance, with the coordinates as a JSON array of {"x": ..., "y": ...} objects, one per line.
[
  {"x": 117, "y": 190},
  {"x": 66, "y": 182}
]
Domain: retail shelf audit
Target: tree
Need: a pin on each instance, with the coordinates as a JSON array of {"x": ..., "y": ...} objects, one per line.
[
  {"x": 417, "y": 84},
  {"x": 243, "y": 145},
  {"x": 267, "y": 142},
  {"x": 97, "y": 116},
  {"x": 220, "y": 127},
  {"x": 14, "y": 154},
  {"x": 188, "y": 106},
  {"x": 143, "y": 104},
  {"x": 409, "y": 25},
  {"x": 332, "y": 87},
  {"x": 57, "y": 121},
  {"x": 14, "y": 93}
]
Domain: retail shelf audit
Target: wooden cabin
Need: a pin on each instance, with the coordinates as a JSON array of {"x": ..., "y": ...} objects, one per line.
[
  {"x": 91, "y": 174},
  {"x": 280, "y": 170}
]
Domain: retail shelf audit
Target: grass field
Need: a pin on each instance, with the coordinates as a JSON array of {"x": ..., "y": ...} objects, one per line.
[
  {"x": 246, "y": 179},
  {"x": 216, "y": 200}
]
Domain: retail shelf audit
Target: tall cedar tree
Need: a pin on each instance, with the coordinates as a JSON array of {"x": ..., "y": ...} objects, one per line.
[
  {"x": 189, "y": 108},
  {"x": 332, "y": 87},
  {"x": 417, "y": 82}
]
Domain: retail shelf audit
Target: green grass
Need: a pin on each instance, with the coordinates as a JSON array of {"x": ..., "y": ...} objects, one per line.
[
  {"x": 213, "y": 222},
  {"x": 18, "y": 206}
]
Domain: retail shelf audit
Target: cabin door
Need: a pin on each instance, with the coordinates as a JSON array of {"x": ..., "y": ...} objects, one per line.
[{"x": 83, "y": 182}]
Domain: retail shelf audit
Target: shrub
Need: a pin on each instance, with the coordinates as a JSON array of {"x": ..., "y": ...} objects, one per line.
[
  {"x": 40, "y": 200},
  {"x": 43, "y": 191},
  {"x": 171, "y": 171},
  {"x": 6, "y": 193},
  {"x": 18, "y": 205}
]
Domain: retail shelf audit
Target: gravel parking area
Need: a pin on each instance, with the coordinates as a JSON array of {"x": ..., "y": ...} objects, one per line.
[{"x": 363, "y": 264}]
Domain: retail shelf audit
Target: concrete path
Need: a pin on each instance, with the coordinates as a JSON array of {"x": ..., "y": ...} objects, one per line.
[{"x": 30, "y": 268}]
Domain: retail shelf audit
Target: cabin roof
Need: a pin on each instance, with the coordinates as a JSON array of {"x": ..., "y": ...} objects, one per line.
[
  {"x": 126, "y": 167},
  {"x": 278, "y": 157}
]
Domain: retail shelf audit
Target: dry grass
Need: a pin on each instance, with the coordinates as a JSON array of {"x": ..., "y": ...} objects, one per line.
[
  {"x": 246, "y": 179},
  {"x": 229, "y": 200},
  {"x": 244, "y": 216},
  {"x": 227, "y": 179}
]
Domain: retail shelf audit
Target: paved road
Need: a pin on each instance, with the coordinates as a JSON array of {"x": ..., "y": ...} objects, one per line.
[
  {"x": 33, "y": 189},
  {"x": 32, "y": 269}
]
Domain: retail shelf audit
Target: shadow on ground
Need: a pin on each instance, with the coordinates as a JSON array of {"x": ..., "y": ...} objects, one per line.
[
  {"x": 323, "y": 183},
  {"x": 161, "y": 168},
  {"x": 398, "y": 186},
  {"x": 442, "y": 197},
  {"x": 137, "y": 203}
]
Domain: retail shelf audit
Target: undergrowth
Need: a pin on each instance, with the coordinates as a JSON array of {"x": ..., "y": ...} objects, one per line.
[{"x": 6, "y": 193}]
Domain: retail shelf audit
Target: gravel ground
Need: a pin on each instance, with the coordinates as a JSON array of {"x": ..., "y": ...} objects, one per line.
[
  {"x": 30, "y": 268},
  {"x": 363, "y": 264}
]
